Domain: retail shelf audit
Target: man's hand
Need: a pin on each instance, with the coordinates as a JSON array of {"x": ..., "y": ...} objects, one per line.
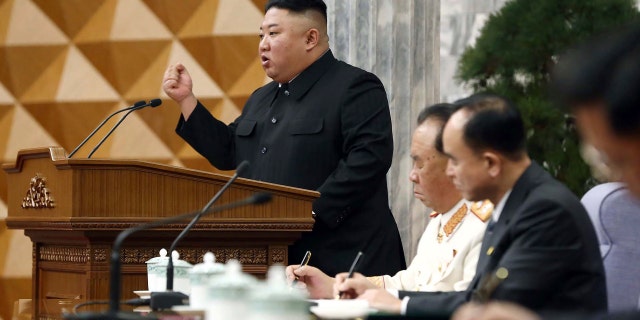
[
  {"x": 358, "y": 286},
  {"x": 318, "y": 284},
  {"x": 177, "y": 84},
  {"x": 382, "y": 300},
  {"x": 351, "y": 287}
]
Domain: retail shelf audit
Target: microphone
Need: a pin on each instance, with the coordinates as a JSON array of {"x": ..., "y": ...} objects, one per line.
[
  {"x": 170, "y": 298},
  {"x": 135, "y": 105},
  {"x": 114, "y": 282},
  {"x": 153, "y": 103}
]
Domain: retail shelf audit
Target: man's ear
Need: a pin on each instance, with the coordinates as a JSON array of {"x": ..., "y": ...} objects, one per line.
[
  {"x": 493, "y": 163},
  {"x": 312, "y": 38}
]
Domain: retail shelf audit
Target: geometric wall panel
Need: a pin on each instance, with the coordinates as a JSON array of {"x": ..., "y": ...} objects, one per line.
[
  {"x": 201, "y": 22},
  {"x": 98, "y": 26},
  {"x": 203, "y": 85},
  {"x": 259, "y": 4},
  {"x": 226, "y": 21},
  {"x": 69, "y": 122},
  {"x": 224, "y": 57},
  {"x": 122, "y": 62},
  {"x": 6, "y": 7},
  {"x": 6, "y": 121},
  {"x": 252, "y": 78},
  {"x": 70, "y": 15},
  {"x": 5, "y": 96},
  {"x": 162, "y": 122},
  {"x": 135, "y": 140},
  {"x": 133, "y": 20},
  {"x": 27, "y": 66},
  {"x": 80, "y": 81},
  {"x": 21, "y": 31},
  {"x": 149, "y": 81},
  {"x": 25, "y": 132},
  {"x": 66, "y": 64},
  {"x": 174, "y": 14}
]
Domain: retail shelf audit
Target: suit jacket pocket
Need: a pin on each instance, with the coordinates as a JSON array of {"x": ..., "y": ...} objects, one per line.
[
  {"x": 531, "y": 267},
  {"x": 306, "y": 126},
  {"x": 245, "y": 127}
]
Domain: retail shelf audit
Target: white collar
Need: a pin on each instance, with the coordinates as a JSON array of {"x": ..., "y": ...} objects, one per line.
[
  {"x": 447, "y": 215},
  {"x": 497, "y": 210}
]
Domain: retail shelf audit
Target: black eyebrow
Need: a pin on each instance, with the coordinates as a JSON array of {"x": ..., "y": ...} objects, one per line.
[{"x": 271, "y": 25}]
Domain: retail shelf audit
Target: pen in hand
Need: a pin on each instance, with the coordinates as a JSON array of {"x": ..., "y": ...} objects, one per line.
[
  {"x": 304, "y": 262},
  {"x": 341, "y": 294}
]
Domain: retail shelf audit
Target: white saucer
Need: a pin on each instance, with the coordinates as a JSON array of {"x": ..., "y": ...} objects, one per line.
[
  {"x": 331, "y": 313},
  {"x": 187, "y": 309},
  {"x": 143, "y": 294}
]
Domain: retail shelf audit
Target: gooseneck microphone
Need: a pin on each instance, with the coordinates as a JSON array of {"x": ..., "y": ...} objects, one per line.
[
  {"x": 152, "y": 103},
  {"x": 170, "y": 298},
  {"x": 114, "y": 282},
  {"x": 135, "y": 105}
]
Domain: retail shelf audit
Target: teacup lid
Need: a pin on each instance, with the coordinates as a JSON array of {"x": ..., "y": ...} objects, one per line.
[
  {"x": 209, "y": 265},
  {"x": 164, "y": 260},
  {"x": 177, "y": 263},
  {"x": 276, "y": 287},
  {"x": 162, "y": 257},
  {"x": 232, "y": 277}
]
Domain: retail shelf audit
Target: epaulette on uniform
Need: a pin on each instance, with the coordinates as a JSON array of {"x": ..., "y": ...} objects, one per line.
[{"x": 482, "y": 209}]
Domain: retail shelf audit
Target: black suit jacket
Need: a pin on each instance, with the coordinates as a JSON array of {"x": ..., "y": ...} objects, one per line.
[
  {"x": 546, "y": 241},
  {"x": 618, "y": 315},
  {"x": 329, "y": 131}
]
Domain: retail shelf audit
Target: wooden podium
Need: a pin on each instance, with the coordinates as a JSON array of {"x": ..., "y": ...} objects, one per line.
[{"x": 72, "y": 209}]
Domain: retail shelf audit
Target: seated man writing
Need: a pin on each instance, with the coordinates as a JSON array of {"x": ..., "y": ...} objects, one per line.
[
  {"x": 449, "y": 248},
  {"x": 540, "y": 248}
]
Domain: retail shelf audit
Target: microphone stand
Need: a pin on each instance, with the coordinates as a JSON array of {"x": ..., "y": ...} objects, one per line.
[
  {"x": 114, "y": 311},
  {"x": 153, "y": 103},
  {"x": 170, "y": 298},
  {"x": 134, "y": 106}
]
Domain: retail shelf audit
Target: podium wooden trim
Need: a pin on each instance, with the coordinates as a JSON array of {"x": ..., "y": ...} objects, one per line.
[{"x": 90, "y": 201}]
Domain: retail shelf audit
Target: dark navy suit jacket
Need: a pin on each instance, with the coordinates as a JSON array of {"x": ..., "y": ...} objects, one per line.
[{"x": 545, "y": 240}]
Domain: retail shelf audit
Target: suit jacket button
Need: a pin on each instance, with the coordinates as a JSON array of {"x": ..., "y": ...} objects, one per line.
[
  {"x": 274, "y": 120},
  {"x": 263, "y": 150}
]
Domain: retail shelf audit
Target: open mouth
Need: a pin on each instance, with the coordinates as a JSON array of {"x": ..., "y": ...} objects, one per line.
[{"x": 264, "y": 59}]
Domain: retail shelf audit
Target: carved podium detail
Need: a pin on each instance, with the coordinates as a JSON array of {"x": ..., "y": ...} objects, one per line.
[
  {"x": 96, "y": 199},
  {"x": 38, "y": 196}
]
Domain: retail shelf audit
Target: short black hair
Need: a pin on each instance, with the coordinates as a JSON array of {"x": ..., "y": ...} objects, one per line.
[
  {"x": 442, "y": 112},
  {"x": 623, "y": 95},
  {"x": 299, "y": 6},
  {"x": 603, "y": 69},
  {"x": 494, "y": 123}
]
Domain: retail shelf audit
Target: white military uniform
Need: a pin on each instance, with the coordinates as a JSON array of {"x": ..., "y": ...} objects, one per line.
[{"x": 447, "y": 253}]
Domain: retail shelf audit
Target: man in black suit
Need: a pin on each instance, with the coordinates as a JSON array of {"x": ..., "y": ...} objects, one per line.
[
  {"x": 600, "y": 82},
  {"x": 322, "y": 125},
  {"x": 540, "y": 250}
]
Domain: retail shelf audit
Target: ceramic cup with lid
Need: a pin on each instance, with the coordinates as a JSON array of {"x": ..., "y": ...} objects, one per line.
[
  {"x": 199, "y": 277},
  {"x": 157, "y": 273},
  {"x": 227, "y": 294}
]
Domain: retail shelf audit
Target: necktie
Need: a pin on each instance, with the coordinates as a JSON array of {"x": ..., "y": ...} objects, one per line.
[
  {"x": 490, "y": 225},
  {"x": 486, "y": 247}
]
